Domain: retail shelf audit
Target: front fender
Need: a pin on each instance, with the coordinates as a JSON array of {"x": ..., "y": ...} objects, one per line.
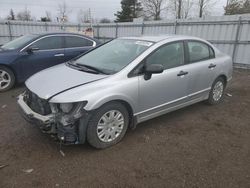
[{"x": 92, "y": 105}]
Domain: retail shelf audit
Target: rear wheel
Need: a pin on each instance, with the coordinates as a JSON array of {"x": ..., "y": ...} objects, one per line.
[
  {"x": 108, "y": 125},
  {"x": 7, "y": 79},
  {"x": 217, "y": 91}
]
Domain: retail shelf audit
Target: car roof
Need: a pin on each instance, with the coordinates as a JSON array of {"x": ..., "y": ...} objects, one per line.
[
  {"x": 159, "y": 38},
  {"x": 64, "y": 33}
]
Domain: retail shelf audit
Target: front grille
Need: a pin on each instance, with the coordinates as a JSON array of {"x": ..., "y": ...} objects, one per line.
[{"x": 38, "y": 105}]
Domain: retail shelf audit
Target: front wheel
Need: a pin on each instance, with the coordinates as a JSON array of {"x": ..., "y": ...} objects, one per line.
[
  {"x": 7, "y": 79},
  {"x": 217, "y": 91},
  {"x": 108, "y": 125}
]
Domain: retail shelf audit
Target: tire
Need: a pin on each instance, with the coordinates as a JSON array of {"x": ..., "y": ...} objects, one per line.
[
  {"x": 113, "y": 130},
  {"x": 216, "y": 94},
  {"x": 7, "y": 79}
]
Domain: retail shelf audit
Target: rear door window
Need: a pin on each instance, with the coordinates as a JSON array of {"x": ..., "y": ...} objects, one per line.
[
  {"x": 76, "y": 42},
  {"x": 199, "y": 51}
]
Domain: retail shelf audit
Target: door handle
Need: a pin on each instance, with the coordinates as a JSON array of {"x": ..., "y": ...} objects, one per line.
[
  {"x": 211, "y": 66},
  {"x": 59, "y": 55},
  {"x": 182, "y": 73}
]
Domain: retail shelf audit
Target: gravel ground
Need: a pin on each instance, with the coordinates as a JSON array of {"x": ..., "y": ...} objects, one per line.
[{"x": 198, "y": 146}]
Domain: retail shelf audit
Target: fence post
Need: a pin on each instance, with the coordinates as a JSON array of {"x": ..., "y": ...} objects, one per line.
[
  {"x": 46, "y": 26},
  {"x": 116, "y": 30},
  {"x": 142, "y": 28},
  {"x": 10, "y": 32},
  {"x": 175, "y": 26},
  {"x": 79, "y": 27},
  {"x": 236, "y": 39},
  {"x": 98, "y": 31}
]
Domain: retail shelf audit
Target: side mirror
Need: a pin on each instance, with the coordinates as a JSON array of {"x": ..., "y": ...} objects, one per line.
[
  {"x": 152, "y": 69},
  {"x": 31, "y": 49}
]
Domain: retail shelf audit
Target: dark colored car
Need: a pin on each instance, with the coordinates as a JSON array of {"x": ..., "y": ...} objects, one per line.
[{"x": 24, "y": 56}]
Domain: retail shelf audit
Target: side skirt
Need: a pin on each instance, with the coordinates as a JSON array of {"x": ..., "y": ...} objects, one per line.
[{"x": 167, "y": 110}]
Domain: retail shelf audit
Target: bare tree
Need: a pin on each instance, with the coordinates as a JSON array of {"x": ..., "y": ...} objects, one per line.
[
  {"x": 83, "y": 16},
  {"x": 153, "y": 8},
  {"x": 204, "y": 5},
  {"x": 187, "y": 6},
  {"x": 80, "y": 16},
  {"x": 48, "y": 15},
  {"x": 24, "y": 15},
  {"x": 11, "y": 16},
  {"x": 177, "y": 7},
  {"x": 181, "y": 8},
  {"x": 63, "y": 12},
  {"x": 179, "y": 2}
]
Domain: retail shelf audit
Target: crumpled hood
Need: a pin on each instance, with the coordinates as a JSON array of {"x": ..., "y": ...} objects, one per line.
[{"x": 58, "y": 79}]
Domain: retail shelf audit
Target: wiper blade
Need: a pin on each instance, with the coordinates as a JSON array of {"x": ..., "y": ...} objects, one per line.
[
  {"x": 81, "y": 68},
  {"x": 91, "y": 68}
]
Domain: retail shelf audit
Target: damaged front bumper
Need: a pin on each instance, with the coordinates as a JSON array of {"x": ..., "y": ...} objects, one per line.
[
  {"x": 31, "y": 116},
  {"x": 69, "y": 128}
]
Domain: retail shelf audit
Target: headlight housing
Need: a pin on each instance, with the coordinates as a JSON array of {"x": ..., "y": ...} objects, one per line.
[
  {"x": 71, "y": 107},
  {"x": 70, "y": 112},
  {"x": 66, "y": 107}
]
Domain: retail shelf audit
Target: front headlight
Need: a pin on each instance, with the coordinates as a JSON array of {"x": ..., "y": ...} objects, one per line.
[
  {"x": 66, "y": 107},
  {"x": 72, "y": 107},
  {"x": 71, "y": 112}
]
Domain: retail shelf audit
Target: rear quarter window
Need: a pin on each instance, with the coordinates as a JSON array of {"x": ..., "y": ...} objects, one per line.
[{"x": 74, "y": 42}]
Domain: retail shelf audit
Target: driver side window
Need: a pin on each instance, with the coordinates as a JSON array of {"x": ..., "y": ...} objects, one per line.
[{"x": 169, "y": 56}]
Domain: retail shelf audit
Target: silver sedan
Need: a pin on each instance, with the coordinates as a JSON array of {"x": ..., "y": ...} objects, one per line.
[{"x": 126, "y": 81}]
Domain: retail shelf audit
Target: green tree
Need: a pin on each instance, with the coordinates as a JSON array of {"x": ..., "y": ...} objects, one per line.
[
  {"x": 233, "y": 7},
  {"x": 45, "y": 19},
  {"x": 237, "y": 7},
  {"x": 246, "y": 7},
  {"x": 105, "y": 20},
  {"x": 130, "y": 9}
]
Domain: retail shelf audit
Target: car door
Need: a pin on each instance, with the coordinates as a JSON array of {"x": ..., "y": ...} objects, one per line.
[
  {"x": 203, "y": 65},
  {"x": 76, "y": 45},
  {"x": 167, "y": 89},
  {"x": 41, "y": 54}
]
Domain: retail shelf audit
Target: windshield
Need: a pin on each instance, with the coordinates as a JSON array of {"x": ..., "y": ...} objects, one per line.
[
  {"x": 113, "y": 56},
  {"x": 18, "y": 43}
]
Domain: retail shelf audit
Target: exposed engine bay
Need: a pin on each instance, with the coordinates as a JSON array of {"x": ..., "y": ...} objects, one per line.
[{"x": 65, "y": 122}]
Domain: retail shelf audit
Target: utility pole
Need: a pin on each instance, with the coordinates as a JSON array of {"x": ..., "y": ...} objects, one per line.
[{"x": 90, "y": 17}]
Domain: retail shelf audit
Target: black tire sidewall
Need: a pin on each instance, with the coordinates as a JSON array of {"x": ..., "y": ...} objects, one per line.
[
  {"x": 92, "y": 137},
  {"x": 211, "y": 100},
  {"x": 12, "y": 76}
]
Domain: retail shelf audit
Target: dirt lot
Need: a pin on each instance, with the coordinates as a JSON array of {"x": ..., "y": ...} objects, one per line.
[{"x": 199, "y": 146}]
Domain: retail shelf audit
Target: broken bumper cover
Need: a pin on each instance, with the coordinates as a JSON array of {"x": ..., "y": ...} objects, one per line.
[
  {"x": 68, "y": 128},
  {"x": 32, "y": 116}
]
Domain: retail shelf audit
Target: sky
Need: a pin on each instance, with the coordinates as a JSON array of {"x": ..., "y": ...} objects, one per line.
[{"x": 99, "y": 8}]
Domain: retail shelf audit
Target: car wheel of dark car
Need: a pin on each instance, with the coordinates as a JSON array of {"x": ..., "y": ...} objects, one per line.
[
  {"x": 217, "y": 91},
  {"x": 7, "y": 79},
  {"x": 108, "y": 125}
]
